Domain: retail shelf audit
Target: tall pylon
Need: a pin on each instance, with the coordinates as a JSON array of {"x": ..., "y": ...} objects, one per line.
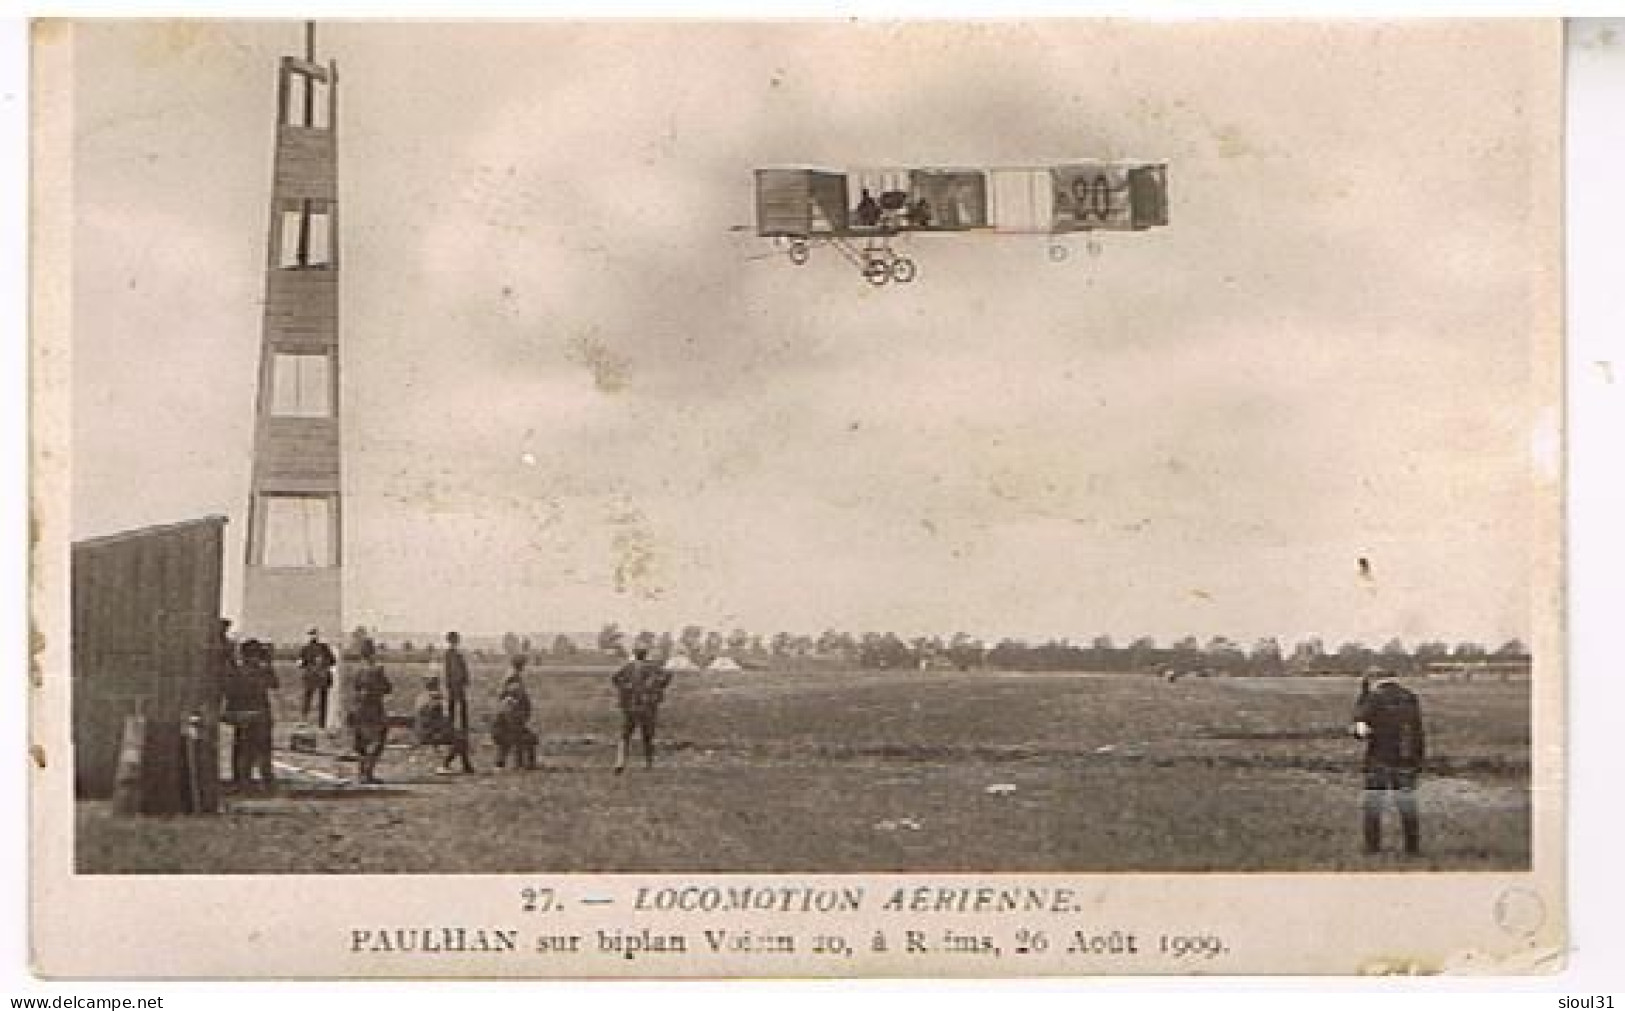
[{"x": 293, "y": 580}]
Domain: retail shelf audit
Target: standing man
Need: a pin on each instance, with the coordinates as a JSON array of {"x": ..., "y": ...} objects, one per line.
[
  {"x": 368, "y": 717},
  {"x": 641, "y": 686},
  {"x": 455, "y": 679},
  {"x": 1388, "y": 717},
  {"x": 250, "y": 713},
  {"x": 316, "y": 663}
]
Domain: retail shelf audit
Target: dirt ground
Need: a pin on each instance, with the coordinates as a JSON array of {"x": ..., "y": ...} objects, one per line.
[{"x": 880, "y": 771}]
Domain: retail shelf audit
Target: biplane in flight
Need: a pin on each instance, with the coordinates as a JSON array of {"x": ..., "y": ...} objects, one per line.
[{"x": 860, "y": 213}]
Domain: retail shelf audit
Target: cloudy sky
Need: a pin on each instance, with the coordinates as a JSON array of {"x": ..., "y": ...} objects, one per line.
[{"x": 574, "y": 393}]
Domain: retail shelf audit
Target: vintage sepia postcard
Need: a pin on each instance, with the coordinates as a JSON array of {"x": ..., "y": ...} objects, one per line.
[{"x": 797, "y": 498}]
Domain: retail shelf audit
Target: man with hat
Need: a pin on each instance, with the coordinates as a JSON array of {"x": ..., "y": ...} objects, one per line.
[{"x": 1388, "y": 717}]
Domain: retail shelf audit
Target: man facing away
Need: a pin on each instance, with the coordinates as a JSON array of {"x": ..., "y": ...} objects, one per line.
[
  {"x": 316, "y": 663},
  {"x": 1388, "y": 717},
  {"x": 641, "y": 687}
]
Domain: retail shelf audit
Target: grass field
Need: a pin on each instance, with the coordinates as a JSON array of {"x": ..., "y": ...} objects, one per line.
[{"x": 885, "y": 771}]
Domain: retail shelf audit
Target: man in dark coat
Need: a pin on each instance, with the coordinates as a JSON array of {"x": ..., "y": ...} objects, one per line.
[
  {"x": 641, "y": 687},
  {"x": 249, "y": 711},
  {"x": 455, "y": 682},
  {"x": 316, "y": 663},
  {"x": 1388, "y": 717}
]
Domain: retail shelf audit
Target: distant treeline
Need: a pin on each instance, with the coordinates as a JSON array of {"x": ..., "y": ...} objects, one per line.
[{"x": 884, "y": 650}]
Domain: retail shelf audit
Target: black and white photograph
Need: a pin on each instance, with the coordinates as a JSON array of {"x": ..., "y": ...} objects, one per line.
[{"x": 925, "y": 467}]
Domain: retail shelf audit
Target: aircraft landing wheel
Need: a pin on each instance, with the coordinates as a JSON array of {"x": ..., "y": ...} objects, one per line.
[
  {"x": 799, "y": 252},
  {"x": 903, "y": 270},
  {"x": 876, "y": 271}
]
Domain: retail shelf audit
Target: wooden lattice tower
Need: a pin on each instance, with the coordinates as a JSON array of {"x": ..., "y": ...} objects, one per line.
[{"x": 293, "y": 580}]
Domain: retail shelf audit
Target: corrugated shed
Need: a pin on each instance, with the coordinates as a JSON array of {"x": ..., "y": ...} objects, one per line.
[{"x": 145, "y": 611}]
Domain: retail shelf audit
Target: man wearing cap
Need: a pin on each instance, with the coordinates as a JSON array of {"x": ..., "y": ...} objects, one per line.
[
  {"x": 1388, "y": 717},
  {"x": 316, "y": 663}
]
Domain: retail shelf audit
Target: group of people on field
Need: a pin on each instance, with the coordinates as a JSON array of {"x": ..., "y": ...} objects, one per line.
[
  {"x": 247, "y": 682},
  {"x": 1387, "y": 717}
]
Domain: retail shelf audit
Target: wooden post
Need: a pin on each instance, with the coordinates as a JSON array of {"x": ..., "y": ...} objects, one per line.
[{"x": 127, "y": 774}]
